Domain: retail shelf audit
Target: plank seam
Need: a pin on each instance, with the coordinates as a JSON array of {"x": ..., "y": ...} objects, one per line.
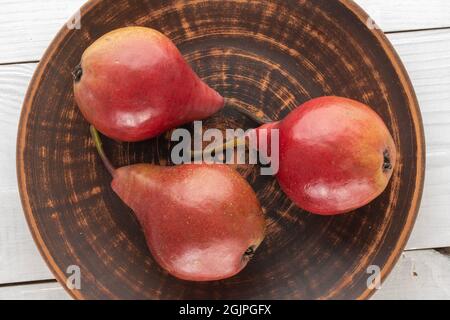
[
  {"x": 26, "y": 283},
  {"x": 417, "y": 30}
]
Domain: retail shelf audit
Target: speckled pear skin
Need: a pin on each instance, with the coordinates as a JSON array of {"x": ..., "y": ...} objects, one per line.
[
  {"x": 202, "y": 222},
  {"x": 133, "y": 84},
  {"x": 336, "y": 155}
]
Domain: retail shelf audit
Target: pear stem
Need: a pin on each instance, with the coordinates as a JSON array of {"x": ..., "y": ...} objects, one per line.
[
  {"x": 98, "y": 144},
  {"x": 230, "y": 144},
  {"x": 231, "y": 103}
]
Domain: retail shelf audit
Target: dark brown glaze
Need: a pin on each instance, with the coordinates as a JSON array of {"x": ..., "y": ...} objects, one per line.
[{"x": 270, "y": 56}]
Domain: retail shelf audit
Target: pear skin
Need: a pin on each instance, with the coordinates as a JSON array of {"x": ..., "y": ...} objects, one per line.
[
  {"x": 133, "y": 84},
  {"x": 336, "y": 155},
  {"x": 202, "y": 222}
]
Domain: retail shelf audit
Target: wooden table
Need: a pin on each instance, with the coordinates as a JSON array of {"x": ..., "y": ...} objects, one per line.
[{"x": 418, "y": 29}]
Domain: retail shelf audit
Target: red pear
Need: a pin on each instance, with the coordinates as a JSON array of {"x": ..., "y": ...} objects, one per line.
[
  {"x": 133, "y": 84},
  {"x": 336, "y": 155},
  {"x": 202, "y": 222}
]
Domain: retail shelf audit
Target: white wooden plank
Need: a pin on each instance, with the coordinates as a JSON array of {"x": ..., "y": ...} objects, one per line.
[
  {"x": 19, "y": 257},
  {"x": 419, "y": 275},
  {"x": 423, "y": 274},
  {"x": 401, "y": 15},
  {"x": 28, "y": 26},
  {"x": 426, "y": 56},
  {"x": 44, "y": 291}
]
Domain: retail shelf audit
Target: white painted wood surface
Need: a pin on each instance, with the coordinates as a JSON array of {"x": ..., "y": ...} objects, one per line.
[
  {"x": 423, "y": 274},
  {"x": 426, "y": 56},
  {"x": 19, "y": 257},
  {"x": 402, "y": 15},
  {"x": 44, "y": 291},
  {"x": 27, "y": 26}
]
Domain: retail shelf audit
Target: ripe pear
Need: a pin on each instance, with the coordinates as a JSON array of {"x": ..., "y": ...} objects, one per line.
[
  {"x": 335, "y": 155},
  {"x": 133, "y": 84},
  {"x": 201, "y": 222}
]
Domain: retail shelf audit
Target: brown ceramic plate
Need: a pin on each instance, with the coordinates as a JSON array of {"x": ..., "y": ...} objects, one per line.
[{"x": 272, "y": 55}]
